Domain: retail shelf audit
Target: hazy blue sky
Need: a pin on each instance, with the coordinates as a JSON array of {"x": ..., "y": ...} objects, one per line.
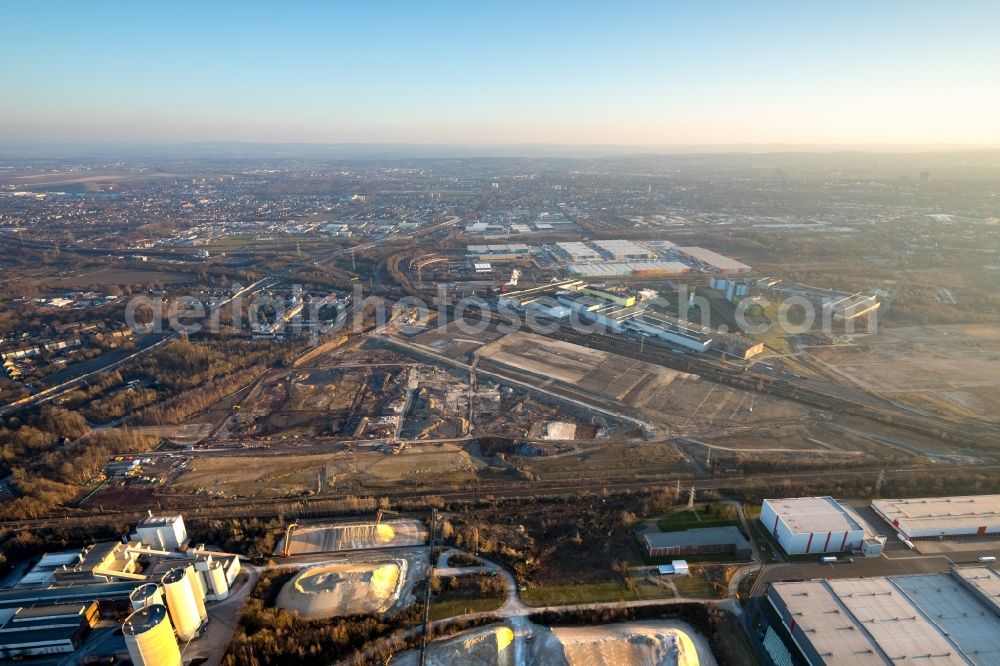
[{"x": 503, "y": 72}]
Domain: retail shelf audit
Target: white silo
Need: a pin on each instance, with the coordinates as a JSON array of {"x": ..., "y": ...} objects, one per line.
[
  {"x": 185, "y": 601},
  {"x": 146, "y": 595},
  {"x": 150, "y": 639},
  {"x": 198, "y": 587},
  {"x": 217, "y": 579}
]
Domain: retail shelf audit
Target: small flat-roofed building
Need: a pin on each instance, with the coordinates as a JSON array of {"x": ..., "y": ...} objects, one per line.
[
  {"x": 677, "y": 567},
  {"x": 699, "y": 541},
  {"x": 805, "y": 525},
  {"x": 739, "y": 346},
  {"x": 942, "y": 517}
]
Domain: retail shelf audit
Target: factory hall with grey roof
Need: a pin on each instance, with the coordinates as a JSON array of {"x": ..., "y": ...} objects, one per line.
[{"x": 932, "y": 619}]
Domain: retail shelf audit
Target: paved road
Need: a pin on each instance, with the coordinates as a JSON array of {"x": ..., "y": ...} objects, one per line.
[{"x": 223, "y": 618}]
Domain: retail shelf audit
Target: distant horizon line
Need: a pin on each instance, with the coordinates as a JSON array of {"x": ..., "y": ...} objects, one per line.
[
  {"x": 413, "y": 150},
  {"x": 470, "y": 144}
]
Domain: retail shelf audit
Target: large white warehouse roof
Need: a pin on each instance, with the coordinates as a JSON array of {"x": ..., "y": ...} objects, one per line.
[
  {"x": 623, "y": 248},
  {"x": 942, "y": 515},
  {"x": 803, "y": 515},
  {"x": 714, "y": 259},
  {"x": 927, "y": 619}
]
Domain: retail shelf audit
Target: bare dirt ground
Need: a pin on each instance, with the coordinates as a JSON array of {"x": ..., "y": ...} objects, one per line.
[
  {"x": 604, "y": 462},
  {"x": 683, "y": 402},
  {"x": 252, "y": 476},
  {"x": 951, "y": 370},
  {"x": 595, "y": 371},
  {"x": 423, "y": 461},
  {"x": 327, "y": 401}
]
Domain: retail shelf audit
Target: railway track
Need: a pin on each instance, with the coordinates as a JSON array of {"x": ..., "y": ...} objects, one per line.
[{"x": 320, "y": 506}]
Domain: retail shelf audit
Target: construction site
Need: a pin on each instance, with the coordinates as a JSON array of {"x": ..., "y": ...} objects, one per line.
[{"x": 949, "y": 370}]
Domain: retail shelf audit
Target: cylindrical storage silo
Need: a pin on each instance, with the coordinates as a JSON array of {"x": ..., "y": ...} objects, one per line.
[
  {"x": 150, "y": 639},
  {"x": 146, "y": 595},
  {"x": 217, "y": 580},
  {"x": 187, "y": 609},
  {"x": 198, "y": 588}
]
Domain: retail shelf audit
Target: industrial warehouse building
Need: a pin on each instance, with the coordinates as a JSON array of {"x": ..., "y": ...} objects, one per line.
[
  {"x": 805, "y": 525},
  {"x": 942, "y": 517},
  {"x": 624, "y": 250},
  {"x": 920, "y": 619},
  {"x": 49, "y": 629},
  {"x": 576, "y": 251},
  {"x": 498, "y": 252},
  {"x": 700, "y": 541},
  {"x": 710, "y": 261}
]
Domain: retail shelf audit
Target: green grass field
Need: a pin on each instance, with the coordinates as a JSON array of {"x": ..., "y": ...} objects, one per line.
[
  {"x": 697, "y": 586},
  {"x": 450, "y": 607},
  {"x": 562, "y": 595},
  {"x": 685, "y": 519}
]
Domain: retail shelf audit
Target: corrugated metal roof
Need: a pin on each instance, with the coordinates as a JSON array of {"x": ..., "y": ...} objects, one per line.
[{"x": 704, "y": 536}]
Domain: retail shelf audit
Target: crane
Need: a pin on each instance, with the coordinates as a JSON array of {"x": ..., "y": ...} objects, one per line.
[{"x": 288, "y": 538}]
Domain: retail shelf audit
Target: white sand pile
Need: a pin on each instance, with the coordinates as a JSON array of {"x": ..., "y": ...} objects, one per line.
[
  {"x": 334, "y": 590},
  {"x": 653, "y": 643},
  {"x": 645, "y": 644},
  {"x": 488, "y": 646},
  {"x": 358, "y": 536}
]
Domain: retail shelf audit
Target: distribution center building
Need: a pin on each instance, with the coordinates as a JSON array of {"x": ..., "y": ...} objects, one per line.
[
  {"x": 935, "y": 517},
  {"x": 932, "y": 619},
  {"x": 805, "y": 525}
]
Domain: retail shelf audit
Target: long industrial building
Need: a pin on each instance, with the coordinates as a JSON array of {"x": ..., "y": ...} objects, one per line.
[
  {"x": 46, "y": 629},
  {"x": 937, "y": 517},
  {"x": 932, "y": 619},
  {"x": 698, "y": 541},
  {"x": 710, "y": 261},
  {"x": 805, "y": 525}
]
